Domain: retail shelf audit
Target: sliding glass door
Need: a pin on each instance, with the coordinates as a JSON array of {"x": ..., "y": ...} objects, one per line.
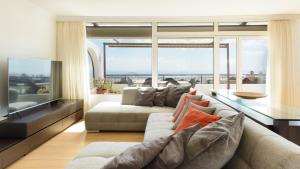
[
  {"x": 254, "y": 58},
  {"x": 204, "y": 55},
  {"x": 186, "y": 61}
]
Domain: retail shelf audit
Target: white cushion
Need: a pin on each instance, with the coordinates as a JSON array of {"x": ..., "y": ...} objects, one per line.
[
  {"x": 88, "y": 163},
  {"x": 104, "y": 149}
]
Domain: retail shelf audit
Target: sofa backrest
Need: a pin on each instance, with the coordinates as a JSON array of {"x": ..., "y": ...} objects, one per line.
[
  {"x": 260, "y": 148},
  {"x": 129, "y": 95}
]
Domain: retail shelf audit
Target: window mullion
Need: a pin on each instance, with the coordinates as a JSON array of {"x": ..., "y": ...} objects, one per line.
[
  {"x": 154, "y": 59},
  {"x": 238, "y": 66},
  {"x": 216, "y": 62}
]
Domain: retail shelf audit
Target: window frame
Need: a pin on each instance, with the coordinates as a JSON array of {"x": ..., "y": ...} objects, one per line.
[
  {"x": 215, "y": 34},
  {"x": 237, "y": 56},
  {"x": 191, "y": 38},
  {"x": 105, "y": 44}
]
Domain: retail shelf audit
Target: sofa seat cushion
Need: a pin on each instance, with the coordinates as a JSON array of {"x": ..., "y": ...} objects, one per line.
[
  {"x": 116, "y": 107},
  {"x": 104, "y": 149},
  {"x": 154, "y": 134},
  {"x": 97, "y": 154},
  {"x": 118, "y": 117},
  {"x": 159, "y": 125},
  {"x": 160, "y": 117},
  {"x": 140, "y": 155},
  {"x": 88, "y": 163}
]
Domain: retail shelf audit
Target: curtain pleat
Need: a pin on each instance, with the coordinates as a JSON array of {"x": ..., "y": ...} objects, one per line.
[
  {"x": 71, "y": 50},
  {"x": 282, "y": 65}
]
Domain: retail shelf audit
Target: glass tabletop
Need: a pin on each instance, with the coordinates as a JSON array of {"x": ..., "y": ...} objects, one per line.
[{"x": 261, "y": 106}]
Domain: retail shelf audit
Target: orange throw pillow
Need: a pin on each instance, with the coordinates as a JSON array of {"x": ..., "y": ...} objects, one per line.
[
  {"x": 200, "y": 102},
  {"x": 194, "y": 116},
  {"x": 186, "y": 99}
]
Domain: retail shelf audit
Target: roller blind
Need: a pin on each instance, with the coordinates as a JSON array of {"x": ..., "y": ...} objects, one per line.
[{"x": 119, "y": 31}]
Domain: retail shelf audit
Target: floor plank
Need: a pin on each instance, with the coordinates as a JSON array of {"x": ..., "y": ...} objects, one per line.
[{"x": 61, "y": 149}]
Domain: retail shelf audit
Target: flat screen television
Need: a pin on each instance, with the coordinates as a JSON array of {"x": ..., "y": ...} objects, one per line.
[{"x": 32, "y": 82}]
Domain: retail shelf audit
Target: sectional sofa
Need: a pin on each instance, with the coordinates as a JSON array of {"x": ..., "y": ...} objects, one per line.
[
  {"x": 259, "y": 148},
  {"x": 121, "y": 116}
]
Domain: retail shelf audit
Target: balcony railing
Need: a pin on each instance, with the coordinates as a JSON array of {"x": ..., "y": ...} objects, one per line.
[{"x": 146, "y": 80}]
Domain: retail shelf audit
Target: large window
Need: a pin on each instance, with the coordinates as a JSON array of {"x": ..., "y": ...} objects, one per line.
[
  {"x": 127, "y": 62},
  {"x": 254, "y": 57},
  {"x": 186, "y": 62},
  {"x": 204, "y": 55}
]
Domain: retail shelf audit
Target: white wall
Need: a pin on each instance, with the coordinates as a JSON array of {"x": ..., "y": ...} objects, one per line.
[
  {"x": 169, "y": 7},
  {"x": 26, "y": 30}
]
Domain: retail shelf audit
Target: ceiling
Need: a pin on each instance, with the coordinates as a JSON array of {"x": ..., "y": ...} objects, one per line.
[{"x": 169, "y": 7}]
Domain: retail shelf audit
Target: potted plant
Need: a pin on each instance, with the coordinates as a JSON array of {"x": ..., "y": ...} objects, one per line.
[{"x": 102, "y": 86}]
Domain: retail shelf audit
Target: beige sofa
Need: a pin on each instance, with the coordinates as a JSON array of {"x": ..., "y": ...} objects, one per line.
[
  {"x": 113, "y": 116},
  {"x": 121, "y": 116},
  {"x": 259, "y": 148}
]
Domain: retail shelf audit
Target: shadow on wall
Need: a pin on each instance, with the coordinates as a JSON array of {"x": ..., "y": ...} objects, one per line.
[{"x": 3, "y": 87}]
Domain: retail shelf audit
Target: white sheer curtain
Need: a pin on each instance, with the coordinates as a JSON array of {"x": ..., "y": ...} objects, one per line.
[
  {"x": 71, "y": 50},
  {"x": 282, "y": 65}
]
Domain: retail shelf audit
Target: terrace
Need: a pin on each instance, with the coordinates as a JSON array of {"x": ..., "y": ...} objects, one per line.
[{"x": 184, "y": 61}]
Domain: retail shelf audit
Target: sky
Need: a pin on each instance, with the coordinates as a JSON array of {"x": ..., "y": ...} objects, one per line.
[
  {"x": 30, "y": 66},
  {"x": 184, "y": 60},
  {"x": 254, "y": 56}
]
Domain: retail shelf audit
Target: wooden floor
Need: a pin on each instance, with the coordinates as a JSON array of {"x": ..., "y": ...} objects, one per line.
[{"x": 61, "y": 149}]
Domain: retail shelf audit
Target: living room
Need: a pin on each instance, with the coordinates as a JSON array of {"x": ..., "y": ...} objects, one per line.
[{"x": 149, "y": 84}]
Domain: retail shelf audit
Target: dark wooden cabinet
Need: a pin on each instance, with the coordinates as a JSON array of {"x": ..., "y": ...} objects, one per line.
[
  {"x": 61, "y": 116},
  {"x": 15, "y": 152}
]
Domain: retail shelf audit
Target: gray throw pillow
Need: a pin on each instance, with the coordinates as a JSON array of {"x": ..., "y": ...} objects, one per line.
[
  {"x": 145, "y": 97},
  {"x": 138, "y": 156},
  {"x": 209, "y": 110},
  {"x": 214, "y": 145},
  {"x": 160, "y": 97},
  {"x": 195, "y": 97},
  {"x": 173, "y": 153},
  {"x": 174, "y": 95}
]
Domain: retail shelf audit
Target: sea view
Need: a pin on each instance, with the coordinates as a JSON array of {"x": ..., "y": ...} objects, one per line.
[{"x": 197, "y": 78}]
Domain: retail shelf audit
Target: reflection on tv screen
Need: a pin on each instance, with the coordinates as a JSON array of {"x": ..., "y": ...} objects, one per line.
[{"x": 30, "y": 82}]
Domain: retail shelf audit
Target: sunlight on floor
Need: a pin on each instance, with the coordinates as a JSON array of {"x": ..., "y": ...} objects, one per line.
[
  {"x": 76, "y": 128},
  {"x": 61, "y": 149}
]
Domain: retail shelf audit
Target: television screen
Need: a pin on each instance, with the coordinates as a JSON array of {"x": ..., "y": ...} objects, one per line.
[{"x": 32, "y": 82}]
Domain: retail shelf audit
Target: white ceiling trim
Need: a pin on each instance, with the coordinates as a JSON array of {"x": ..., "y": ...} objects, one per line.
[
  {"x": 241, "y": 18},
  {"x": 169, "y": 8}
]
